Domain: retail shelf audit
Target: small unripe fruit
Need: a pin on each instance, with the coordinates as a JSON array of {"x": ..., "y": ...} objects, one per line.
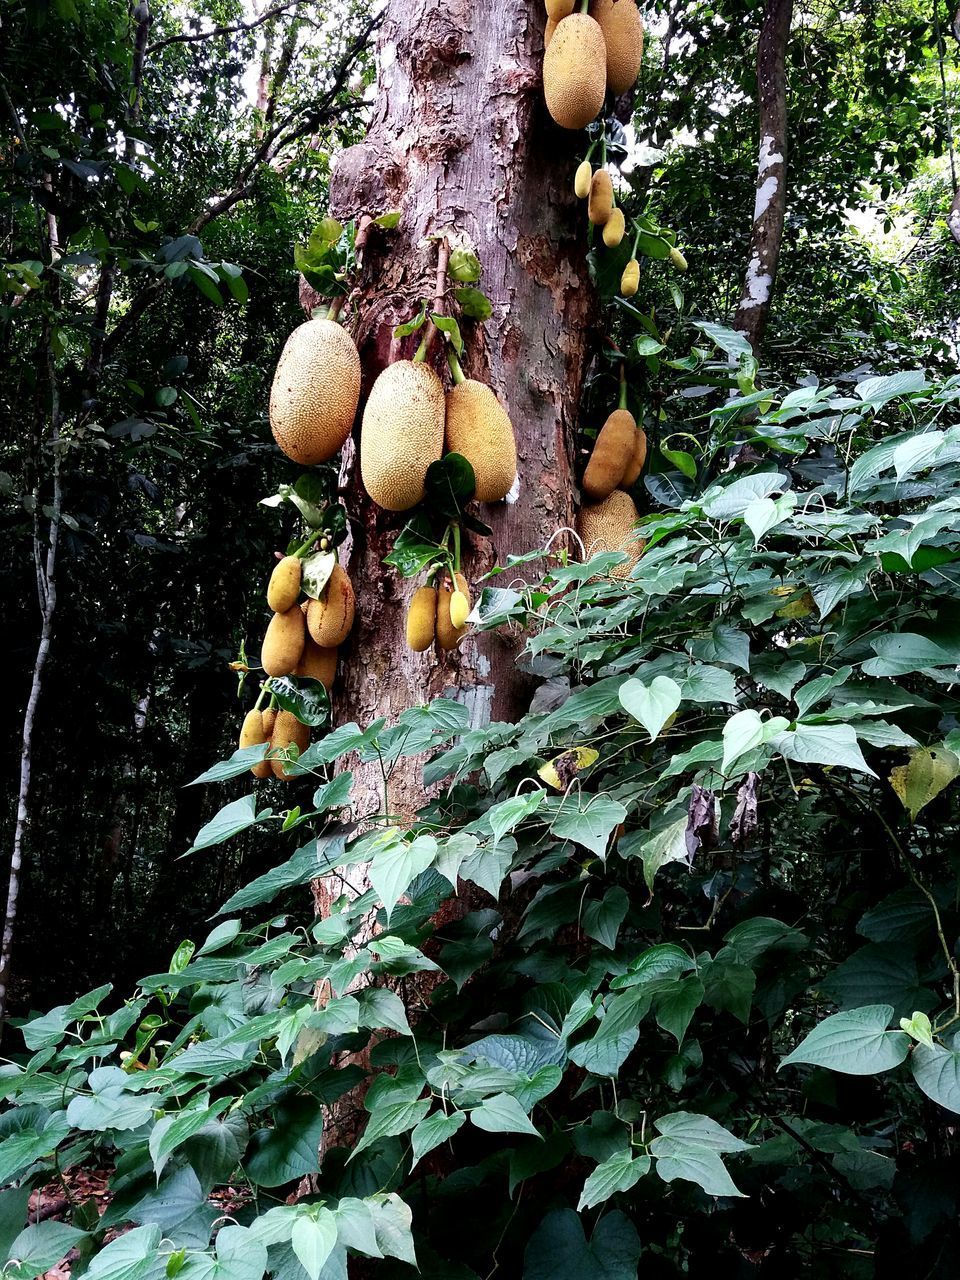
[
  {"x": 330, "y": 618},
  {"x": 459, "y": 608},
  {"x": 422, "y": 619},
  {"x": 283, "y": 588},
  {"x": 678, "y": 260},
  {"x": 448, "y": 635},
  {"x": 581, "y": 181},
  {"x": 287, "y": 731},
  {"x": 600, "y": 203},
  {"x": 253, "y": 734},
  {"x": 630, "y": 280},
  {"x": 283, "y": 643},
  {"x": 614, "y": 228}
]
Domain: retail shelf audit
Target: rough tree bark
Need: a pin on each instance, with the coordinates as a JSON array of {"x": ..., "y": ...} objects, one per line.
[
  {"x": 461, "y": 144},
  {"x": 771, "y": 198}
]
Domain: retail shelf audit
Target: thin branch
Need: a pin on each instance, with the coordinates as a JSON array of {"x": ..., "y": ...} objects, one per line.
[{"x": 215, "y": 32}]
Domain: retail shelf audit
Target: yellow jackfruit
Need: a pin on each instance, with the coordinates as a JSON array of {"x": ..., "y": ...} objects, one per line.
[
  {"x": 612, "y": 454},
  {"x": 315, "y": 392},
  {"x": 318, "y": 664},
  {"x": 619, "y": 20},
  {"x": 402, "y": 434},
  {"x": 283, "y": 589},
  {"x": 477, "y": 426},
  {"x": 559, "y": 9},
  {"x": 330, "y": 618},
  {"x": 459, "y": 610},
  {"x": 252, "y": 734},
  {"x": 422, "y": 619},
  {"x": 635, "y": 465},
  {"x": 581, "y": 180},
  {"x": 287, "y": 731},
  {"x": 630, "y": 280},
  {"x": 614, "y": 228},
  {"x": 609, "y": 526},
  {"x": 548, "y": 31},
  {"x": 575, "y": 72},
  {"x": 600, "y": 202},
  {"x": 449, "y": 636},
  {"x": 283, "y": 643}
]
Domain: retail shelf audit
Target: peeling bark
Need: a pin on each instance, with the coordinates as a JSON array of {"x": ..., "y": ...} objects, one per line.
[
  {"x": 771, "y": 199},
  {"x": 461, "y": 144}
]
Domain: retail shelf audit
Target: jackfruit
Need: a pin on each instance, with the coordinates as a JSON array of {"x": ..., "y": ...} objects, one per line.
[
  {"x": 283, "y": 589},
  {"x": 330, "y": 618},
  {"x": 449, "y": 636},
  {"x": 635, "y": 465},
  {"x": 315, "y": 392},
  {"x": 600, "y": 202},
  {"x": 677, "y": 258},
  {"x": 609, "y": 526},
  {"x": 614, "y": 228},
  {"x": 318, "y": 664},
  {"x": 548, "y": 31},
  {"x": 287, "y": 731},
  {"x": 459, "y": 610},
  {"x": 612, "y": 454},
  {"x": 269, "y": 720},
  {"x": 559, "y": 9},
  {"x": 252, "y": 734},
  {"x": 619, "y": 20},
  {"x": 422, "y": 619},
  {"x": 630, "y": 280},
  {"x": 477, "y": 426},
  {"x": 575, "y": 72},
  {"x": 581, "y": 180},
  {"x": 402, "y": 434},
  {"x": 283, "y": 643}
]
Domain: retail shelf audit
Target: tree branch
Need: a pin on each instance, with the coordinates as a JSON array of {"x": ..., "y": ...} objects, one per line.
[{"x": 216, "y": 32}]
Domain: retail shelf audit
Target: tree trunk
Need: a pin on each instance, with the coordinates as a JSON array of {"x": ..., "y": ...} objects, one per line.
[
  {"x": 461, "y": 144},
  {"x": 771, "y": 199}
]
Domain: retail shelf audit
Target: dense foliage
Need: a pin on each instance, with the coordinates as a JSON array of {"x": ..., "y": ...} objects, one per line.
[{"x": 664, "y": 974}]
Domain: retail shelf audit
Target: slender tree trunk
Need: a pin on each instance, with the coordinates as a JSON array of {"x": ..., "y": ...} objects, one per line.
[
  {"x": 47, "y": 591},
  {"x": 771, "y": 198},
  {"x": 462, "y": 146}
]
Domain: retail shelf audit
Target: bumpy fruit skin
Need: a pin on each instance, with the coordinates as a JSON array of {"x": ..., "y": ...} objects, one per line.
[
  {"x": 608, "y": 526},
  {"x": 283, "y": 589},
  {"x": 575, "y": 72},
  {"x": 269, "y": 720},
  {"x": 581, "y": 179},
  {"x": 559, "y": 9},
  {"x": 422, "y": 619},
  {"x": 600, "y": 202},
  {"x": 318, "y": 664},
  {"x": 283, "y": 643},
  {"x": 402, "y": 434},
  {"x": 619, "y": 20},
  {"x": 630, "y": 280},
  {"x": 330, "y": 618},
  {"x": 287, "y": 730},
  {"x": 252, "y": 734},
  {"x": 638, "y": 458},
  {"x": 612, "y": 454},
  {"x": 614, "y": 228},
  {"x": 449, "y": 636},
  {"x": 478, "y": 427},
  {"x": 315, "y": 392}
]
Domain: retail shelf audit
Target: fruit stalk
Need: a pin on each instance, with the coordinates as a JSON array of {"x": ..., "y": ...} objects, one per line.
[{"x": 443, "y": 261}]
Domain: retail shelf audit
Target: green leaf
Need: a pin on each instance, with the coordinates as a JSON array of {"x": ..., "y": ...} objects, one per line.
[
  {"x": 388, "y": 221},
  {"x": 240, "y": 762},
  {"x": 230, "y": 821},
  {"x": 937, "y": 1073},
  {"x": 619, "y": 1173},
  {"x": 128, "y": 1257},
  {"x": 559, "y": 1250},
  {"x": 394, "y": 869},
  {"x": 929, "y": 771},
  {"x": 110, "y": 1106},
  {"x": 313, "y": 1237},
  {"x": 919, "y": 1028},
  {"x": 502, "y": 1113},
  {"x": 40, "y": 1247},
  {"x": 602, "y": 920},
  {"x": 392, "y": 1119},
  {"x": 657, "y": 849},
  {"x": 693, "y": 1164},
  {"x": 856, "y": 1042},
  {"x": 827, "y": 744},
  {"x": 742, "y": 733},
  {"x": 171, "y": 1131},
  {"x": 652, "y": 705},
  {"x": 464, "y": 266},
  {"x": 448, "y": 326},
  {"x": 434, "y": 1130},
  {"x": 291, "y": 1148},
  {"x": 588, "y": 820},
  {"x": 677, "y": 1004},
  {"x": 473, "y": 304},
  {"x": 307, "y": 699},
  {"x": 206, "y": 286},
  {"x": 450, "y": 484}
]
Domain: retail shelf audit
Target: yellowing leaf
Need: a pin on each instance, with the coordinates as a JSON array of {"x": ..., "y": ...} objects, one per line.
[
  {"x": 798, "y": 608},
  {"x": 560, "y": 772},
  {"x": 928, "y": 772}
]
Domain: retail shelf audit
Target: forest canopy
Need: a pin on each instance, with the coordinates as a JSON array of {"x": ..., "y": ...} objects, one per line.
[{"x": 481, "y": 491}]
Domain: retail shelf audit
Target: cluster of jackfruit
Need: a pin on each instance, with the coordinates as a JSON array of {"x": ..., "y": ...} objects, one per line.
[
  {"x": 407, "y": 421},
  {"x": 606, "y": 522},
  {"x": 301, "y": 640},
  {"x": 588, "y": 53},
  {"x": 438, "y": 614}
]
